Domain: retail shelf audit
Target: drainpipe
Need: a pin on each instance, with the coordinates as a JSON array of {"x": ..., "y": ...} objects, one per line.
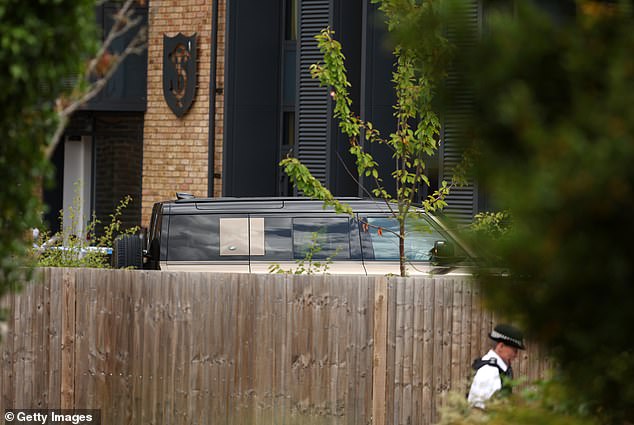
[{"x": 212, "y": 100}]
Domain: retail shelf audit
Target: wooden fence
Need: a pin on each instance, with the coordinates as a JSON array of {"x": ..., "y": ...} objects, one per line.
[{"x": 150, "y": 347}]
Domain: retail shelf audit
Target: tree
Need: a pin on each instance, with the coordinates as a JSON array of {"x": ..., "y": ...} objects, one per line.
[
  {"x": 555, "y": 128},
  {"x": 43, "y": 44},
  {"x": 417, "y": 73}
]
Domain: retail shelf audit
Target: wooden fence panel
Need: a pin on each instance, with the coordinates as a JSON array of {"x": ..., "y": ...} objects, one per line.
[{"x": 201, "y": 348}]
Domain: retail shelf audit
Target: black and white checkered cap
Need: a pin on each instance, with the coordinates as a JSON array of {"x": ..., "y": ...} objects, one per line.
[{"x": 509, "y": 335}]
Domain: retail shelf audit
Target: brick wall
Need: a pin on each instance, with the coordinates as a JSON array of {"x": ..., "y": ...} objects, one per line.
[
  {"x": 175, "y": 150},
  {"x": 117, "y": 144}
]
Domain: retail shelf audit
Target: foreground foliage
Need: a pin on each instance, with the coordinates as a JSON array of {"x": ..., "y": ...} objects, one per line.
[
  {"x": 555, "y": 127},
  {"x": 545, "y": 403},
  {"x": 43, "y": 43}
]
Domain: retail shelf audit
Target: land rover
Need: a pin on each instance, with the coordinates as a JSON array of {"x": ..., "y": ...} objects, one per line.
[{"x": 249, "y": 235}]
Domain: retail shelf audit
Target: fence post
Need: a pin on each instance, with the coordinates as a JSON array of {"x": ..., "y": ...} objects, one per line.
[{"x": 379, "y": 358}]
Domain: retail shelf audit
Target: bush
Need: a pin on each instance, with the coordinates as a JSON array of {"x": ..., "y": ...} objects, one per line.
[
  {"x": 555, "y": 127},
  {"x": 65, "y": 249}
]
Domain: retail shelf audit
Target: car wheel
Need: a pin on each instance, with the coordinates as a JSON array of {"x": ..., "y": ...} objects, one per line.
[{"x": 127, "y": 252}]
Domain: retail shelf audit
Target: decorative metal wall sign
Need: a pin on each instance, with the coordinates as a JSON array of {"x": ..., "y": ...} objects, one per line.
[{"x": 179, "y": 72}]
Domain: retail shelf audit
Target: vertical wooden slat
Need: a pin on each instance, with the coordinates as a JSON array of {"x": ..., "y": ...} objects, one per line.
[
  {"x": 301, "y": 334},
  {"x": 200, "y": 359},
  {"x": 117, "y": 383},
  {"x": 245, "y": 365},
  {"x": 344, "y": 351},
  {"x": 84, "y": 336},
  {"x": 468, "y": 351},
  {"x": 391, "y": 348},
  {"x": 68, "y": 341},
  {"x": 284, "y": 363},
  {"x": 228, "y": 331},
  {"x": 261, "y": 362},
  {"x": 438, "y": 307},
  {"x": 428, "y": 351},
  {"x": 264, "y": 384},
  {"x": 17, "y": 346},
  {"x": 103, "y": 395},
  {"x": 408, "y": 349},
  {"x": 365, "y": 301},
  {"x": 215, "y": 366},
  {"x": 163, "y": 398},
  {"x": 399, "y": 349},
  {"x": 39, "y": 345},
  {"x": 175, "y": 318},
  {"x": 486, "y": 326},
  {"x": 50, "y": 277},
  {"x": 150, "y": 349},
  {"x": 10, "y": 303},
  {"x": 317, "y": 342},
  {"x": 21, "y": 347},
  {"x": 183, "y": 354},
  {"x": 457, "y": 365},
  {"x": 337, "y": 390},
  {"x": 137, "y": 304},
  {"x": 446, "y": 339},
  {"x": 476, "y": 321},
  {"x": 361, "y": 308},
  {"x": 418, "y": 355},
  {"x": 379, "y": 357},
  {"x": 231, "y": 332},
  {"x": 349, "y": 350}
]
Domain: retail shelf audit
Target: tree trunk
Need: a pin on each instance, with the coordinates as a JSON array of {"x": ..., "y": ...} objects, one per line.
[{"x": 401, "y": 247}]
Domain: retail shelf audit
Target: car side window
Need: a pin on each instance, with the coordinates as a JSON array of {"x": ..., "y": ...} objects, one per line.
[
  {"x": 324, "y": 237},
  {"x": 380, "y": 238},
  {"x": 278, "y": 240},
  {"x": 198, "y": 237}
]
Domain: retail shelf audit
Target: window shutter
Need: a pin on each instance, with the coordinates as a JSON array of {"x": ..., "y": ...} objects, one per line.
[
  {"x": 462, "y": 201},
  {"x": 313, "y": 101}
]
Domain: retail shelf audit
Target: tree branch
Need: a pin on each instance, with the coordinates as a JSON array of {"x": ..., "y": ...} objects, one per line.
[{"x": 123, "y": 23}]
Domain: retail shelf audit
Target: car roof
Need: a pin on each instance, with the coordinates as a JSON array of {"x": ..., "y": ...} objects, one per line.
[{"x": 266, "y": 204}]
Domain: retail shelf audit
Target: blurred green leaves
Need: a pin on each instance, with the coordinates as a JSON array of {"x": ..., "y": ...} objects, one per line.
[
  {"x": 41, "y": 44},
  {"x": 544, "y": 403},
  {"x": 554, "y": 125}
]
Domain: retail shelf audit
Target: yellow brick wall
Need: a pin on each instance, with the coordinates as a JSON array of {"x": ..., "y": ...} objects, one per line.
[{"x": 175, "y": 150}]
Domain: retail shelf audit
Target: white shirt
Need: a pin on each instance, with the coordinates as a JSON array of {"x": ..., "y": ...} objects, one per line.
[{"x": 486, "y": 381}]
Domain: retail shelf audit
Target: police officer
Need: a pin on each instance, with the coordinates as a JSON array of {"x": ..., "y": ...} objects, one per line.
[{"x": 494, "y": 368}]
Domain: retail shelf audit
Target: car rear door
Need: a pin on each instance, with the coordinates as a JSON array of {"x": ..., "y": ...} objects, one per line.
[
  {"x": 308, "y": 242},
  {"x": 208, "y": 242}
]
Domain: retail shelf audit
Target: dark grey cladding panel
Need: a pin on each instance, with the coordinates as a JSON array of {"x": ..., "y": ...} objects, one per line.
[
  {"x": 463, "y": 201},
  {"x": 313, "y": 101}
]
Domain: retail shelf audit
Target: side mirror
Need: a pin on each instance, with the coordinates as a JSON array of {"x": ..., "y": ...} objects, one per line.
[{"x": 442, "y": 253}]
